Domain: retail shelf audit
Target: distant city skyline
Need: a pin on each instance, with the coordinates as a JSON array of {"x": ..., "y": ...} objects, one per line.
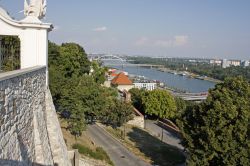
[{"x": 171, "y": 28}]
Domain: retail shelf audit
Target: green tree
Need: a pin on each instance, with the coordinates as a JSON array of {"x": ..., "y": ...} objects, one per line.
[
  {"x": 98, "y": 72},
  {"x": 79, "y": 96},
  {"x": 68, "y": 65},
  {"x": 76, "y": 123},
  {"x": 65, "y": 62},
  {"x": 96, "y": 99},
  {"x": 160, "y": 103},
  {"x": 119, "y": 113},
  {"x": 181, "y": 105},
  {"x": 73, "y": 60},
  {"x": 217, "y": 132},
  {"x": 136, "y": 98},
  {"x": 70, "y": 102}
]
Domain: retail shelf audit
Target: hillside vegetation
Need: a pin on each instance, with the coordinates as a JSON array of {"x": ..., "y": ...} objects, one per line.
[{"x": 78, "y": 95}]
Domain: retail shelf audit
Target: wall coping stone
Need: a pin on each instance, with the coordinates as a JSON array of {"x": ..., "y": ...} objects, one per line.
[{"x": 16, "y": 73}]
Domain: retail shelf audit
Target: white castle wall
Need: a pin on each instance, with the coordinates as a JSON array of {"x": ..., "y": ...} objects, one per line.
[{"x": 33, "y": 37}]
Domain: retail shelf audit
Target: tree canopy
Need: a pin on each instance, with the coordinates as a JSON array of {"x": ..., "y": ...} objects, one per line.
[
  {"x": 98, "y": 72},
  {"x": 136, "y": 98},
  {"x": 68, "y": 66},
  {"x": 119, "y": 113},
  {"x": 217, "y": 132},
  {"x": 77, "y": 94},
  {"x": 160, "y": 103}
]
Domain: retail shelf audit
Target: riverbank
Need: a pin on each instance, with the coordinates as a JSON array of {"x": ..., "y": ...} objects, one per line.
[{"x": 189, "y": 74}]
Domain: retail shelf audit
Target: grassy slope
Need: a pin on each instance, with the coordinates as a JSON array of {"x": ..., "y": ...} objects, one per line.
[{"x": 89, "y": 150}]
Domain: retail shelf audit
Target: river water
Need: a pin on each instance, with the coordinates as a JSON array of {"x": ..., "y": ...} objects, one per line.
[{"x": 179, "y": 82}]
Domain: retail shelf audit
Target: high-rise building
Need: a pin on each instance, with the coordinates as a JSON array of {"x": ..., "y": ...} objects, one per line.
[
  {"x": 225, "y": 63},
  {"x": 234, "y": 63},
  {"x": 217, "y": 62},
  {"x": 245, "y": 63}
]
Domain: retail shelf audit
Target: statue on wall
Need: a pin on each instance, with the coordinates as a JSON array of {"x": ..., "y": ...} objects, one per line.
[{"x": 35, "y": 8}]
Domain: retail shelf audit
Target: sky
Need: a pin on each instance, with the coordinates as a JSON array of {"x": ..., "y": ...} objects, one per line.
[{"x": 171, "y": 28}]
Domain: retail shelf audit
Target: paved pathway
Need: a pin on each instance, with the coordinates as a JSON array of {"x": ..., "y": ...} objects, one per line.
[
  {"x": 168, "y": 137},
  {"x": 117, "y": 152}
]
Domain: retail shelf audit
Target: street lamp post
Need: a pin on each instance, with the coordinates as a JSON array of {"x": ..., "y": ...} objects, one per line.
[
  {"x": 161, "y": 134},
  {"x": 124, "y": 131}
]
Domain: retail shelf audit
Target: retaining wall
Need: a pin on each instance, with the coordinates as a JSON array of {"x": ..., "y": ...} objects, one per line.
[{"x": 24, "y": 136}]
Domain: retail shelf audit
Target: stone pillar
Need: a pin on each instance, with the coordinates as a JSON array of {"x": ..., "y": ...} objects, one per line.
[{"x": 34, "y": 48}]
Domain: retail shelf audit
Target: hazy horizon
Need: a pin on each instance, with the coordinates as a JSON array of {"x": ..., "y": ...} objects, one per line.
[{"x": 197, "y": 29}]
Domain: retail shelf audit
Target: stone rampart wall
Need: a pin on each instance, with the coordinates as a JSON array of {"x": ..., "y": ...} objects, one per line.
[
  {"x": 137, "y": 121},
  {"x": 23, "y": 132},
  {"x": 58, "y": 146}
]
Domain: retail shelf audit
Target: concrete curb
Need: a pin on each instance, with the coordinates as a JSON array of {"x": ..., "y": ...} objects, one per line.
[{"x": 100, "y": 125}]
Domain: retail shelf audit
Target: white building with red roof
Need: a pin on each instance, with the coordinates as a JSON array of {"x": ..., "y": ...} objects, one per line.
[{"x": 122, "y": 82}]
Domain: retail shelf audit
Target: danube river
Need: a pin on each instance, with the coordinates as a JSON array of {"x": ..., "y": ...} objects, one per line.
[{"x": 179, "y": 82}]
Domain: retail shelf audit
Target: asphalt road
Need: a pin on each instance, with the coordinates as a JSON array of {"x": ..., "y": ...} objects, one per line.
[
  {"x": 157, "y": 131},
  {"x": 116, "y": 151}
]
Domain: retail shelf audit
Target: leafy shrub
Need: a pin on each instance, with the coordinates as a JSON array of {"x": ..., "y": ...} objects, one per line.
[{"x": 98, "y": 153}]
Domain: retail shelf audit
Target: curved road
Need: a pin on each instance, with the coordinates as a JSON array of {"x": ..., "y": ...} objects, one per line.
[{"x": 117, "y": 152}]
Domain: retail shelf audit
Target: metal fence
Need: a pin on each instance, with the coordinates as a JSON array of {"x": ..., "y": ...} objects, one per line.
[{"x": 9, "y": 53}]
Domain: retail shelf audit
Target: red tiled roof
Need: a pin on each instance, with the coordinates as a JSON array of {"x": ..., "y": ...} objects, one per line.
[
  {"x": 121, "y": 79},
  {"x": 113, "y": 74}
]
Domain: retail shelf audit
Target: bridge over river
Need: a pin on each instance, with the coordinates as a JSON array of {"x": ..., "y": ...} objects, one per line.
[{"x": 136, "y": 65}]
